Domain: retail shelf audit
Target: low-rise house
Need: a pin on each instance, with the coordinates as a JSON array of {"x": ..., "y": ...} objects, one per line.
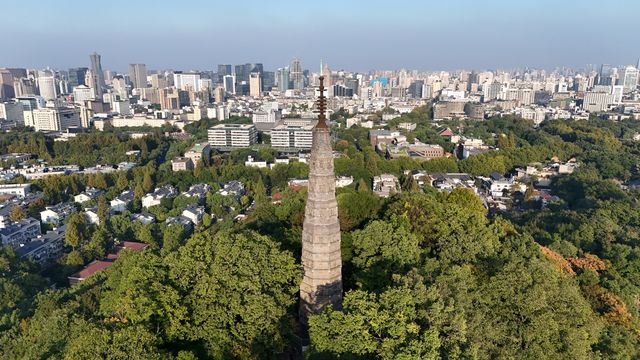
[
  {"x": 343, "y": 181},
  {"x": 450, "y": 181},
  {"x": 194, "y": 213},
  {"x": 44, "y": 249},
  {"x": 57, "y": 213},
  {"x": 120, "y": 203},
  {"x": 183, "y": 221},
  {"x": 251, "y": 162},
  {"x": 144, "y": 218},
  {"x": 18, "y": 232},
  {"x": 153, "y": 199},
  {"x": 91, "y": 214},
  {"x": 180, "y": 163},
  {"x": 385, "y": 185},
  {"x": 232, "y": 188},
  {"x": 497, "y": 185},
  {"x": 87, "y": 195},
  {"x": 198, "y": 190}
]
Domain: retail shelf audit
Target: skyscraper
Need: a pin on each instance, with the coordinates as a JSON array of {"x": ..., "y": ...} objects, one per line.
[
  {"x": 138, "y": 75},
  {"x": 76, "y": 77},
  {"x": 629, "y": 78},
  {"x": 223, "y": 70},
  {"x": 96, "y": 70},
  {"x": 297, "y": 77},
  {"x": 255, "y": 84},
  {"x": 47, "y": 85},
  {"x": 282, "y": 77},
  {"x": 229, "y": 82},
  {"x": 321, "y": 258}
]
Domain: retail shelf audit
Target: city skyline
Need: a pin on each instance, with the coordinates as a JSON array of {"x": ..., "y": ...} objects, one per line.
[{"x": 356, "y": 36}]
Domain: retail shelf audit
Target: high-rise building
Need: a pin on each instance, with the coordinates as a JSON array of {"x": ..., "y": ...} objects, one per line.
[
  {"x": 47, "y": 86},
  {"x": 138, "y": 75},
  {"x": 229, "y": 84},
  {"x": 321, "y": 257},
  {"x": 629, "y": 78},
  {"x": 6, "y": 84},
  {"x": 296, "y": 74},
  {"x": 292, "y": 137},
  {"x": 282, "y": 78},
  {"x": 223, "y": 70},
  {"x": 218, "y": 95},
  {"x": 56, "y": 119},
  {"x": 268, "y": 80},
  {"x": 76, "y": 77},
  {"x": 255, "y": 84},
  {"x": 98, "y": 75}
]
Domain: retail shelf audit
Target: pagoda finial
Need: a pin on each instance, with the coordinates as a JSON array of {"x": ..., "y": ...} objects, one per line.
[{"x": 322, "y": 106}]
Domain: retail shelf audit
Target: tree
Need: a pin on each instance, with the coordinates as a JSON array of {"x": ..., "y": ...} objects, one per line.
[
  {"x": 173, "y": 237},
  {"x": 97, "y": 247},
  {"x": 238, "y": 289},
  {"x": 104, "y": 210},
  {"x": 17, "y": 213},
  {"x": 74, "y": 235},
  {"x": 122, "y": 182},
  {"x": 147, "y": 182}
]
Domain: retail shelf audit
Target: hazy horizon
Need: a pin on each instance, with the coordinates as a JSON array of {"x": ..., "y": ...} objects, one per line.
[{"x": 358, "y": 36}]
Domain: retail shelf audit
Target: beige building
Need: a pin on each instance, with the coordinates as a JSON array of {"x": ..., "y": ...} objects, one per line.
[
  {"x": 55, "y": 119},
  {"x": 255, "y": 85},
  {"x": 181, "y": 164},
  {"x": 233, "y": 135}
]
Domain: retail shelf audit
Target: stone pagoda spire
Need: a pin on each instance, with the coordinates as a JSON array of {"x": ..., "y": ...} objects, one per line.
[{"x": 321, "y": 257}]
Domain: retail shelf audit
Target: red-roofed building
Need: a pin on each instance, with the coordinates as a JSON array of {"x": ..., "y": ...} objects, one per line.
[
  {"x": 97, "y": 265},
  {"x": 446, "y": 133},
  {"x": 92, "y": 268}
]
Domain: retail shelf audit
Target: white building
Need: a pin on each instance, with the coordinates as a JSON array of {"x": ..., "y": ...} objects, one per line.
[
  {"x": 187, "y": 81},
  {"x": 269, "y": 117},
  {"x": 82, "y": 93},
  {"x": 232, "y": 135},
  {"x": 385, "y": 185},
  {"x": 292, "y": 137},
  {"x": 20, "y": 190},
  {"x": 597, "y": 101}
]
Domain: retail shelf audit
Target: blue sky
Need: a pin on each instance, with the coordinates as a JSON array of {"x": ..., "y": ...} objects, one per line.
[{"x": 347, "y": 34}]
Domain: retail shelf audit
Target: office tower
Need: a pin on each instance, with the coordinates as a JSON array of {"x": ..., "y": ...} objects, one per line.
[
  {"x": 56, "y": 119},
  {"x": 98, "y": 75},
  {"x": 268, "y": 80},
  {"x": 282, "y": 78},
  {"x": 604, "y": 77},
  {"x": 229, "y": 82},
  {"x": 242, "y": 72},
  {"x": 138, "y": 75},
  {"x": 415, "y": 89},
  {"x": 629, "y": 79},
  {"x": 321, "y": 258},
  {"x": 325, "y": 71},
  {"x": 296, "y": 75},
  {"x": 224, "y": 69},
  {"x": 6, "y": 84},
  {"x": 47, "y": 86},
  {"x": 255, "y": 84},
  {"x": 76, "y": 77},
  {"x": 158, "y": 81}
]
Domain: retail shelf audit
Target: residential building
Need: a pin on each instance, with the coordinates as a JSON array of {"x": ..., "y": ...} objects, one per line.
[
  {"x": 56, "y": 214},
  {"x": 198, "y": 190},
  {"x": 44, "y": 249},
  {"x": 385, "y": 185},
  {"x": 88, "y": 195},
  {"x": 138, "y": 75},
  {"x": 194, "y": 213},
  {"x": 166, "y": 191},
  {"x": 255, "y": 85},
  {"x": 180, "y": 163},
  {"x": 232, "y": 188},
  {"x": 119, "y": 204},
  {"x": 18, "y": 232},
  {"x": 20, "y": 190}
]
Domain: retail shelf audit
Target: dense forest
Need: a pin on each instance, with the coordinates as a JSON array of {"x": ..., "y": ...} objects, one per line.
[{"x": 427, "y": 275}]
